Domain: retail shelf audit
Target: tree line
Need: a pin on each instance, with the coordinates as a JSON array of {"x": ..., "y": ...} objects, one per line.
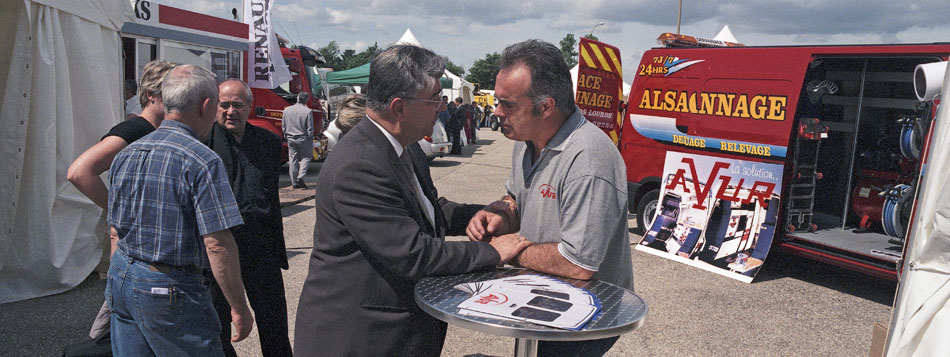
[{"x": 482, "y": 72}]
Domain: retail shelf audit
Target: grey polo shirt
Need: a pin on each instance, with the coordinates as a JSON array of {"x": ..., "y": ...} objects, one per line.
[{"x": 576, "y": 195}]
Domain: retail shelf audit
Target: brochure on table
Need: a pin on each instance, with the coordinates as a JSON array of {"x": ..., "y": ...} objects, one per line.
[{"x": 532, "y": 298}]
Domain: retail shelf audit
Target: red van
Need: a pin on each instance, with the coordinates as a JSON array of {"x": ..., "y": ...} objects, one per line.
[{"x": 814, "y": 150}]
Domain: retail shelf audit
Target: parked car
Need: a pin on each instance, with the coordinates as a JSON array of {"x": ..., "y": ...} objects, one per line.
[{"x": 437, "y": 144}]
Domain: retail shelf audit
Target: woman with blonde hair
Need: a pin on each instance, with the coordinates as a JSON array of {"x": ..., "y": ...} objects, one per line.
[
  {"x": 85, "y": 170},
  {"x": 350, "y": 113}
]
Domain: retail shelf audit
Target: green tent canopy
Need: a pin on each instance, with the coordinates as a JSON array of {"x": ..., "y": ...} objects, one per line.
[
  {"x": 360, "y": 76},
  {"x": 354, "y": 76}
]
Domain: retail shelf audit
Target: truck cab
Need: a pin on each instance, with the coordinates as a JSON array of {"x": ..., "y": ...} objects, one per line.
[{"x": 269, "y": 104}]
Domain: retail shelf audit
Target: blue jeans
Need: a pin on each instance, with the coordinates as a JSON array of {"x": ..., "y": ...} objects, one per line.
[
  {"x": 576, "y": 348},
  {"x": 165, "y": 313}
]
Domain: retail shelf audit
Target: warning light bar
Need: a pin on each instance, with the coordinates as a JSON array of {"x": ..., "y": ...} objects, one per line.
[{"x": 675, "y": 40}]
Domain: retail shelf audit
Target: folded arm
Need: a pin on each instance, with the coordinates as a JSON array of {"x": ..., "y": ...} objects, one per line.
[{"x": 85, "y": 170}]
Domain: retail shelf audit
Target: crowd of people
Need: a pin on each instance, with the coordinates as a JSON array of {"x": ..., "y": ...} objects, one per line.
[
  {"x": 195, "y": 221},
  {"x": 457, "y": 117}
]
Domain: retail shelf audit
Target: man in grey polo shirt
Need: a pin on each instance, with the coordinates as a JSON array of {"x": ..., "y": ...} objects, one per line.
[{"x": 567, "y": 190}]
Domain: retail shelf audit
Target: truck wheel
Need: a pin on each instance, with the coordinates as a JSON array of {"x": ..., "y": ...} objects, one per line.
[{"x": 646, "y": 209}]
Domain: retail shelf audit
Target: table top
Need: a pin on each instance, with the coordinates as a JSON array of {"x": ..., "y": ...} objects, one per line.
[{"x": 622, "y": 311}]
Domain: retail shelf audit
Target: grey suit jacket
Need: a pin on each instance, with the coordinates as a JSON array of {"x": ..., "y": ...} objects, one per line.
[
  {"x": 297, "y": 122},
  {"x": 371, "y": 243}
]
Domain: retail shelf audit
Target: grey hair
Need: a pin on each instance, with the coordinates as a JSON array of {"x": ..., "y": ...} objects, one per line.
[
  {"x": 248, "y": 96},
  {"x": 185, "y": 87},
  {"x": 302, "y": 97},
  {"x": 399, "y": 71},
  {"x": 550, "y": 76}
]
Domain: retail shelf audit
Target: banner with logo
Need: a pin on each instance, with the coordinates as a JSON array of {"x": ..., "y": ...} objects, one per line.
[
  {"x": 600, "y": 85},
  {"x": 265, "y": 64},
  {"x": 716, "y": 214}
]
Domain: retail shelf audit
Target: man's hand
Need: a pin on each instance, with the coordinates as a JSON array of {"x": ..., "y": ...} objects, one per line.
[
  {"x": 223, "y": 256},
  {"x": 499, "y": 217},
  {"x": 509, "y": 245},
  {"x": 485, "y": 225},
  {"x": 113, "y": 240},
  {"x": 243, "y": 322}
]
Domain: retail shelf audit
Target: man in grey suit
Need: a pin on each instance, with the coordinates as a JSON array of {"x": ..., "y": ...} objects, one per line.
[
  {"x": 298, "y": 130},
  {"x": 381, "y": 224}
]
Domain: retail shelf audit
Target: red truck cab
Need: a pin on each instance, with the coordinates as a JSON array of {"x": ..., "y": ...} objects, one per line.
[{"x": 269, "y": 104}]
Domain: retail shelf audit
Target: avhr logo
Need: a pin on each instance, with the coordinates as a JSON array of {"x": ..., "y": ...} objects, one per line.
[
  {"x": 547, "y": 191},
  {"x": 760, "y": 190}
]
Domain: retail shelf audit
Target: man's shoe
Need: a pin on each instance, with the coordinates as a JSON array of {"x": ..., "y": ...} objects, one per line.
[{"x": 300, "y": 184}]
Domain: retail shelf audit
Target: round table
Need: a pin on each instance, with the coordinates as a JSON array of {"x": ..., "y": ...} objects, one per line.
[{"x": 621, "y": 311}]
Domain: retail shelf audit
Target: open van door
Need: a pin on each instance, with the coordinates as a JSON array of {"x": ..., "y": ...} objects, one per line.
[{"x": 599, "y": 89}]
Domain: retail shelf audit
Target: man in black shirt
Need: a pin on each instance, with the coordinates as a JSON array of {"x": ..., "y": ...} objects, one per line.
[{"x": 251, "y": 156}]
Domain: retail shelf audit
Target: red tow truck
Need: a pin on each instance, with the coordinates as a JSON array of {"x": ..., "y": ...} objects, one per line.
[
  {"x": 813, "y": 150},
  {"x": 269, "y": 104}
]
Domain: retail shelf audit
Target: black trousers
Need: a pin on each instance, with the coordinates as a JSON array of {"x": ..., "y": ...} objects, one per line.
[
  {"x": 265, "y": 293},
  {"x": 456, "y": 137}
]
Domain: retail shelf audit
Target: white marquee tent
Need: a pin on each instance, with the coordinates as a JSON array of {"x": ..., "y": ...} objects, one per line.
[
  {"x": 61, "y": 88},
  {"x": 460, "y": 87}
]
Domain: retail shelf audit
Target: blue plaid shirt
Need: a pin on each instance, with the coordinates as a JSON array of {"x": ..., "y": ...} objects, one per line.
[{"x": 167, "y": 191}]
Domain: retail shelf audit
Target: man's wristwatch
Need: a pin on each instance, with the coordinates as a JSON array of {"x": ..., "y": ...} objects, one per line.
[{"x": 512, "y": 208}]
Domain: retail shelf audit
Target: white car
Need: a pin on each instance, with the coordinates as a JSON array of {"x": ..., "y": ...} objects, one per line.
[{"x": 437, "y": 144}]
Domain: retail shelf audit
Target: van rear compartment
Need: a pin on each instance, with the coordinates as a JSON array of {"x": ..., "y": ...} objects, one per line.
[{"x": 861, "y": 101}]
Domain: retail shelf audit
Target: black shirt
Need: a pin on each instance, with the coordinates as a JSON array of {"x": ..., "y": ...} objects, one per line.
[
  {"x": 253, "y": 167},
  {"x": 131, "y": 130}
]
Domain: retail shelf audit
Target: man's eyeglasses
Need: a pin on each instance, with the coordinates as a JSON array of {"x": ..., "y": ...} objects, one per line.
[
  {"x": 228, "y": 105},
  {"x": 436, "y": 101}
]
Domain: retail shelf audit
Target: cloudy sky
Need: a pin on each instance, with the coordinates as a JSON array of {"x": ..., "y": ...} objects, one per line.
[{"x": 466, "y": 31}]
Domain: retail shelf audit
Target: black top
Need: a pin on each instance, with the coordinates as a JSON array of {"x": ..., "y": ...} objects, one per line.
[
  {"x": 253, "y": 168},
  {"x": 131, "y": 130}
]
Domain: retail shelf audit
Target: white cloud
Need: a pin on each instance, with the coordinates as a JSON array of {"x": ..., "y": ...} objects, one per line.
[
  {"x": 358, "y": 46},
  {"x": 295, "y": 12}
]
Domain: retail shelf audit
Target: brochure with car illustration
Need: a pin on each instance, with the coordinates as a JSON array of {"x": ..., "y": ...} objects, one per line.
[
  {"x": 531, "y": 298},
  {"x": 716, "y": 214}
]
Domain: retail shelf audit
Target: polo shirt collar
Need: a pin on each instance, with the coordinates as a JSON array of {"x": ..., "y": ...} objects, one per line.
[
  {"x": 392, "y": 139},
  {"x": 563, "y": 134},
  {"x": 178, "y": 126}
]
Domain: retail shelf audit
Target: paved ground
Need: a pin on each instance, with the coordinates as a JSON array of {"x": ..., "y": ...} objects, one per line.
[{"x": 794, "y": 307}]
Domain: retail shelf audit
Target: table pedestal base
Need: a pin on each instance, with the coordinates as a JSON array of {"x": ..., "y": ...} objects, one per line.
[{"x": 526, "y": 347}]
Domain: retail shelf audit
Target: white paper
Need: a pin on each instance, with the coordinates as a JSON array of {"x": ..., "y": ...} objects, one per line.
[{"x": 533, "y": 298}]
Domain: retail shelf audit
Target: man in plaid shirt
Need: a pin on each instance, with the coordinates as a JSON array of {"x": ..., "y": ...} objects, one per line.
[{"x": 172, "y": 207}]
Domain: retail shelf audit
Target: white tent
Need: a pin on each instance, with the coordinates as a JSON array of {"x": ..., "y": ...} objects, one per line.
[
  {"x": 460, "y": 87},
  {"x": 54, "y": 52},
  {"x": 921, "y": 317},
  {"x": 726, "y": 35}
]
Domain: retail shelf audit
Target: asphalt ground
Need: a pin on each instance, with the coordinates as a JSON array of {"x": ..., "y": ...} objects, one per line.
[{"x": 793, "y": 307}]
